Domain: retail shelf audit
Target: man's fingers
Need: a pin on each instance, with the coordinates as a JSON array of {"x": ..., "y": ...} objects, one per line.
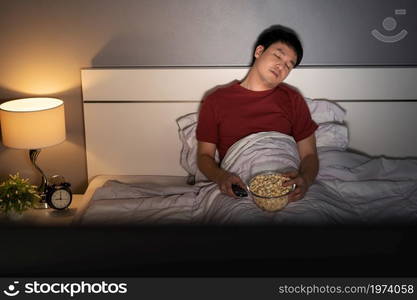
[
  {"x": 295, "y": 181},
  {"x": 289, "y": 182},
  {"x": 294, "y": 197},
  {"x": 225, "y": 185},
  {"x": 242, "y": 184},
  {"x": 230, "y": 192},
  {"x": 226, "y": 188},
  {"x": 297, "y": 194},
  {"x": 291, "y": 174}
]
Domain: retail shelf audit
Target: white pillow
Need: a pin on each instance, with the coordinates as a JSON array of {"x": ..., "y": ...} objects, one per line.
[
  {"x": 330, "y": 133},
  {"x": 324, "y": 111},
  {"x": 187, "y": 126}
]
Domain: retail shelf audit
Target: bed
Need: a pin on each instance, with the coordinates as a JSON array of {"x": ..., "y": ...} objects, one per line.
[{"x": 140, "y": 125}]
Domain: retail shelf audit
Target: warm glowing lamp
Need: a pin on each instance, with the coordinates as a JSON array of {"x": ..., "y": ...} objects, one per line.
[{"x": 33, "y": 124}]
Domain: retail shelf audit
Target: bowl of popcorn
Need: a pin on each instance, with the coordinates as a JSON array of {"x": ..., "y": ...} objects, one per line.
[{"x": 268, "y": 192}]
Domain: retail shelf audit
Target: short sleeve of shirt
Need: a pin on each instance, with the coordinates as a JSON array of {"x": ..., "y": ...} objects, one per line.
[
  {"x": 303, "y": 124},
  {"x": 207, "y": 127}
]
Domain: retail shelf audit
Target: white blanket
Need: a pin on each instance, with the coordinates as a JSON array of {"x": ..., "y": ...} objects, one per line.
[{"x": 350, "y": 189}]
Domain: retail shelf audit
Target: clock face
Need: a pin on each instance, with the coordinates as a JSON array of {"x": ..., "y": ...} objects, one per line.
[{"x": 60, "y": 198}]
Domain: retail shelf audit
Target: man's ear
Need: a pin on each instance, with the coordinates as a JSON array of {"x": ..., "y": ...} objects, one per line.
[{"x": 258, "y": 51}]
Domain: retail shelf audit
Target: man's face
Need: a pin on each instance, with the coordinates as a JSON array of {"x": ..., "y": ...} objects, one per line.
[{"x": 273, "y": 64}]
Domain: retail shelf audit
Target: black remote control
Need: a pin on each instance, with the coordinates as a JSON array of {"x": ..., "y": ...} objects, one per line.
[{"x": 238, "y": 191}]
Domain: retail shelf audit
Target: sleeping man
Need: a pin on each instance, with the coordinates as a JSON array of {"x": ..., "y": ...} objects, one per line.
[{"x": 258, "y": 103}]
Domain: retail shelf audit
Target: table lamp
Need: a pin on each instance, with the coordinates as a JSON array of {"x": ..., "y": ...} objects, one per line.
[{"x": 33, "y": 124}]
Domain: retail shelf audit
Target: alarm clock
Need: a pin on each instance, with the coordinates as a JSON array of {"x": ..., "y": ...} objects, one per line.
[{"x": 59, "y": 196}]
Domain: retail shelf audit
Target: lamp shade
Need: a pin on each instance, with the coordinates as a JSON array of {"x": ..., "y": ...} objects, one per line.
[{"x": 32, "y": 123}]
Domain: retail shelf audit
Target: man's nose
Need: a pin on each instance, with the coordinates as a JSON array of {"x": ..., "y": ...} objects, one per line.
[{"x": 279, "y": 66}]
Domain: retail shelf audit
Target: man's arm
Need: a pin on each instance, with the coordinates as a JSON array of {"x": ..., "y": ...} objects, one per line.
[
  {"x": 309, "y": 167},
  {"x": 207, "y": 164}
]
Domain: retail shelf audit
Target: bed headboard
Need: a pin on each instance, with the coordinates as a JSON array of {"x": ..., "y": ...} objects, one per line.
[{"x": 130, "y": 113}]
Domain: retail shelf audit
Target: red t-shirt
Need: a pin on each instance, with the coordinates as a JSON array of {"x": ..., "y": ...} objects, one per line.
[{"x": 233, "y": 112}]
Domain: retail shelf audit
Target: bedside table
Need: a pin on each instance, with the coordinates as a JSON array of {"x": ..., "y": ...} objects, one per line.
[{"x": 47, "y": 217}]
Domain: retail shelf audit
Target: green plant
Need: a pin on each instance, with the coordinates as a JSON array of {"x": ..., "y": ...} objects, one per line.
[{"x": 16, "y": 194}]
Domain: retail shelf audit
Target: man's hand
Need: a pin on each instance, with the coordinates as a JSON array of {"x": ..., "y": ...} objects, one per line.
[
  {"x": 225, "y": 180},
  {"x": 301, "y": 185},
  {"x": 209, "y": 167}
]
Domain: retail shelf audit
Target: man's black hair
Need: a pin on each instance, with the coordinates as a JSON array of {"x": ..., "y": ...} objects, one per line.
[{"x": 279, "y": 33}]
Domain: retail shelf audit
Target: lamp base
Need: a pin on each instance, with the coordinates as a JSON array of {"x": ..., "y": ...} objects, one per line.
[
  {"x": 41, "y": 204},
  {"x": 33, "y": 155}
]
